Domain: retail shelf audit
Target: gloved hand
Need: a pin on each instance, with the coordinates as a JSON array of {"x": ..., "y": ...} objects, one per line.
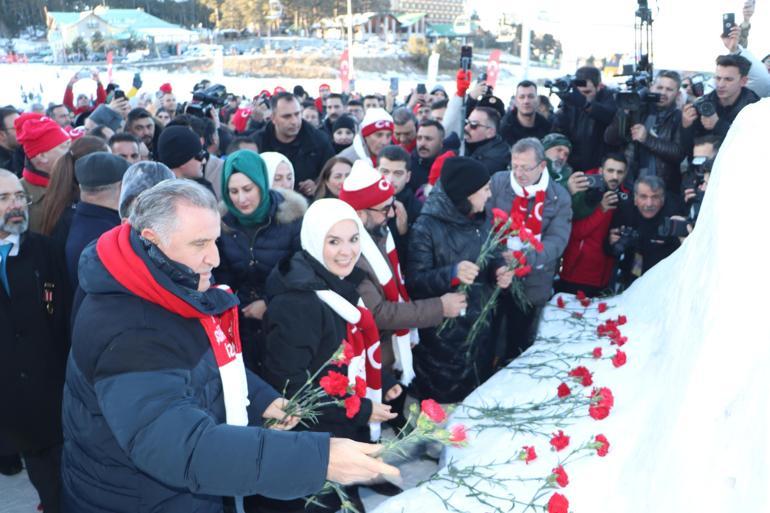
[
  {"x": 137, "y": 83},
  {"x": 575, "y": 98},
  {"x": 463, "y": 82}
]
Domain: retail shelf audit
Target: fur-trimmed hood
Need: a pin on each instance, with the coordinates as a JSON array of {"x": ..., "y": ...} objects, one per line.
[{"x": 292, "y": 208}]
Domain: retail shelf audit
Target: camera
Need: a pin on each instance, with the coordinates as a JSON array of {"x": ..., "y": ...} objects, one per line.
[
  {"x": 204, "y": 100},
  {"x": 673, "y": 228},
  {"x": 637, "y": 91},
  {"x": 596, "y": 182},
  {"x": 705, "y": 107},
  {"x": 561, "y": 87},
  {"x": 629, "y": 238}
]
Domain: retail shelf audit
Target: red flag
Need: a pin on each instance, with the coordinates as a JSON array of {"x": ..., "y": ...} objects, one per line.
[
  {"x": 345, "y": 71},
  {"x": 109, "y": 67},
  {"x": 493, "y": 67}
]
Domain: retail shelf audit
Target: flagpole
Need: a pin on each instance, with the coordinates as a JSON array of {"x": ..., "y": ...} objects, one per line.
[{"x": 351, "y": 75}]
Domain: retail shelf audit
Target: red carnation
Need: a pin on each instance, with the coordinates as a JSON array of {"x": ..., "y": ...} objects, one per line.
[
  {"x": 601, "y": 404},
  {"x": 347, "y": 350},
  {"x": 536, "y": 244},
  {"x": 499, "y": 218},
  {"x": 597, "y": 353},
  {"x": 433, "y": 410},
  {"x": 580, "y": 295},
  {"x": 622, "y": 320},
  {"x": 583, "y": 375},
  {"x": 560, "y": 302},
  {"x": 602, "y": 445},
  {"x": 360, "y": 387},
  {"x": 527, "y": 454},
  {"x": 558, "y": 504},
  {"x": 352, "y": 405},
  {"x": 577, "y": 315},
  {"x": 618, "y": 339},
  {"x": 520, "y": 272},
  {"x": 585, "y": 302},
  {"x": 459, "y": 435},
  {"x": 619, "y": 359},
  {"x": 520, "y": 257},
  {"x": 560, "y": 476},
  {"x": 335, "y": 384},
  {"x": 563, "y": 391},
  {"x": 602, "y": 307},
  {"x": 559, "y": 440}
]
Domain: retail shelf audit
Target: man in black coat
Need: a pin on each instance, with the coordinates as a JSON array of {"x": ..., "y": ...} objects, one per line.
[
  {"x": 584, "y": 115},
  {"x": 429, "y": 143},
  {"x": 99, "y": 177},
  {"x": 482, "y": 141},
  {"x": 159, "y": 412},
  {"x": 34, "y": 310},
  {"x": 306, "y": 147},
  {"x": 11, "y": 156},
  {"x": 523, "y": 120}
]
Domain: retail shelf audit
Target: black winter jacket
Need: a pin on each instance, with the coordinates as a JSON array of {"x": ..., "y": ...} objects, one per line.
[
  {"x": 511, "y": 130},
  {"x": 495, "y": 154},
  {"x": 144, "y": 413},
  {"x": 585, "y": 129},
  {"x": 441, "y": 238},
  {"x": 726, "y": 114}
]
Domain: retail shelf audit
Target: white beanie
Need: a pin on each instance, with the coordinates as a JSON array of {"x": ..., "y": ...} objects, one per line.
[
  {"x": 272, "y": 160},
  {"x": 365, "y": 187}
]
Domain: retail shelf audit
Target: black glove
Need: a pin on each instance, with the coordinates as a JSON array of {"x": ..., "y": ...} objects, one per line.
[
  {"x": 575, "y": 98},
  {"x": 137, "y": 83}
]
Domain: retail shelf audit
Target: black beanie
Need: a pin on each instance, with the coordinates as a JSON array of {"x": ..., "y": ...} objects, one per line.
[
  {"x": 344, "y": 121},
  {"x": 461, "y": 177},
  {"x": 177, "y": 145}
]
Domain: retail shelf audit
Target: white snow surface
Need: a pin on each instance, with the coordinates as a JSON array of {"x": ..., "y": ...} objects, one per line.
[{"x": 689, "y": 430}]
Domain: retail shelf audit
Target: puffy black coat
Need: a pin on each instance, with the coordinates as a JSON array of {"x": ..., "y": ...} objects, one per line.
[
  {"x": 308, "y": 152},
  {"x": 34, "y": 341},
  {"x": 88, "y": 223},
  {"x": 495, "y": 154},
  {"x": 585, "y": 129},
  {"x": 511, "y": 130},
  {"x": 440, "y": 239},
  {"x": 144, "y": 413}
]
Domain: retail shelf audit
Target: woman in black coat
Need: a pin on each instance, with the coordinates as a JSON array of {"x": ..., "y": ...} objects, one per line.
[
  {"x": 445, "y": 242},
  {"x": 312, "y": 306},
  {"x": 260, "y": 228}
]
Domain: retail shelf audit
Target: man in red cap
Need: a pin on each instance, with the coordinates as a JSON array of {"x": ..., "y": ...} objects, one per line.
[
  {"x": 43, "y": 141},
  {"x": 376, "y": 133}
]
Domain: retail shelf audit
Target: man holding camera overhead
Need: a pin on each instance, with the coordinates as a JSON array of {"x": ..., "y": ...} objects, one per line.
[{"x": 651, "y": 132}]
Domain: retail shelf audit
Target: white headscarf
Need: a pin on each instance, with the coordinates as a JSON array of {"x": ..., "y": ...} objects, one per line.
[
  {"x": 272, "y": 160},
  {"x": 319, "y": 219}
]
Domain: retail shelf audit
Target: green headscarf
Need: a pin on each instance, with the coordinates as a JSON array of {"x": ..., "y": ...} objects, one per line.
[{"x": 251, "y": 165}]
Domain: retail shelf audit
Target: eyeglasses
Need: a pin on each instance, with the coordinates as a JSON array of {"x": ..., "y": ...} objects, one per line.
[
  {"x": 385, "y": 210},
  {"x": 473, "y": 125},
  {"x": 19, "y": 197},
  {"x": 525, "y": 169}
]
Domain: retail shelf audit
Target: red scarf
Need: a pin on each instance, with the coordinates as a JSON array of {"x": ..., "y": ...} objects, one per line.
[
  {"x": 532, "y": 219},
  {"x": 127, "y": 268},
  {"x": 36, "y": 177}
]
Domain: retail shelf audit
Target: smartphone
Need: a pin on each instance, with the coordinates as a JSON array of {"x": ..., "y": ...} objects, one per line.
[
  {"x": 394, "y": 84},
  {"x": 421, "y": 89},
  {"x": 728, "y": 22},
  {"x": 118, "y": 93},
  {"x": 466, "y": 57},
  {"x": 482, "y": 77}
]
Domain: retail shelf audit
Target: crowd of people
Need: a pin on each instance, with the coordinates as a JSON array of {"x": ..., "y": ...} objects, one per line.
[{"x": 173, "y": 271}]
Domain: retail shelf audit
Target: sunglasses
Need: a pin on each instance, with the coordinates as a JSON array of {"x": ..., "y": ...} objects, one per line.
[
  {"x": 473, "y": 125},
  {"x": 201, "y": 156}
]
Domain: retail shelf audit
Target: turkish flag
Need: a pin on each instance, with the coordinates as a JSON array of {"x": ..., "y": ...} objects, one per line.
[
  {"x": 345, "y": 71},
  {"x": 493, "y": 68},
  {"x": 109, "y": 67}
]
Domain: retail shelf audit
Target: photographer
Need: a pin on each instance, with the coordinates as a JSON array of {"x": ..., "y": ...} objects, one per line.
[
  {"x": 696, "y": 183},
  {"x": 634, "y": 237},
  {"x": 653, "y": 142},
  {"x": 715, "y": 112},
  {"x": 584, "y": 114},
  {"x": 586, "y": 266}
]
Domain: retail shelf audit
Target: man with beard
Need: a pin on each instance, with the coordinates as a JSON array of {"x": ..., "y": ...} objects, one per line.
[
  {"x": 482, "y": 141},
  {"x": 523, "y": 120},
  {"x": 34, "y": 313},
  {"x": 11, "y": 155},
  {"x": 141, "y": 124},
  {"x": 430, "y": 142},
  {"x": 334, "y": 107},
  {"x": 405, "y": 129},
  {"x": 557, "y": 150},
  {"x": 383, "y": 290}
]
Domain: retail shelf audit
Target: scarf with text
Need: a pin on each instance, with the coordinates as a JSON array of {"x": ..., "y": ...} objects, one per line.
[{"x": 532, "y": 220}]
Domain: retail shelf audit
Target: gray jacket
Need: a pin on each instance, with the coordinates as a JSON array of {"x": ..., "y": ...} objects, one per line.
[{"x": 557, "y": 224}]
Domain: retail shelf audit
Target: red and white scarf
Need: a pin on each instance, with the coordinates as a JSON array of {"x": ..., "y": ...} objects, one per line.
[
  {"x": 392, "y": 282},
  {"x": 363, "y": 335},
  {"x": 533, "y": 219}
]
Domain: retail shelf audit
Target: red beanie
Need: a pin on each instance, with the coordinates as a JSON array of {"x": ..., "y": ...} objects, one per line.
[
  {"x": 375, "y": 120},
  {"x": 435, "y": 169},
  {"x": 278, "y": 90},
  {"x": 365, "y": 187},
  {"x": 241, "y": 119},
  {"x": 327, "y": 86},
  {"x": 165, "y": 88},
  {"x": 38, "y": 134}
]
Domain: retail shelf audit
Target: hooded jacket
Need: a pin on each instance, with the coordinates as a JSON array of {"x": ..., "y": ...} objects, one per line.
[{"x": 143, "y": 409}]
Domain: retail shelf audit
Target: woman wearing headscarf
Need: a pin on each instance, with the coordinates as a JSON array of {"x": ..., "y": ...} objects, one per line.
[
  {"x": 261, "y": 226},
  {"x": 313, "y": 307},
  {"x": 444, "y": 244},
  {"x": 280, "y": 171}
]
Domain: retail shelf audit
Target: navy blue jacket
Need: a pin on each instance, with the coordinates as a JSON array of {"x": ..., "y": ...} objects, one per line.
[
  {"x": 143, "y": 408},
  {"x": 88, "y": 223}
]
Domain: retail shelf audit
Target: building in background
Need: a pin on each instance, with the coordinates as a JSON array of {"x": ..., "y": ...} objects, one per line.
[{"x": 438, "y": 11}]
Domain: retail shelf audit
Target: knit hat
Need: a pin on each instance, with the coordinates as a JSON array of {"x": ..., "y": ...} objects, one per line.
[
  {"x": 272, "y": 160},
  {"x": 365, "y": 187},
  {"x": 462, "y": 176},
  {"x": 344, "y": 121},
  {"x": 327, "y": 86},
  {"x": 103, "y": 115},
  {"x": 165, "y": 88},
  {"x": 38, "y": 134},
  {"x": 251, "y": 165},
  {"x": 241, "y": 119},
  {"x": 438, "y": 87},
  {"x": 177, "y": 145},
  {"x": 138, "y": 178},
  {"x": 100, "y": 168},
  {"x": 375, "y": 120},
  {"x": 319, "y": 219},
  {"x": 556, "y": 139}
]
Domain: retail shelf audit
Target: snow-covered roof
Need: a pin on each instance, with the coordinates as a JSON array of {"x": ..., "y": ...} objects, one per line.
[{"x": 126, "y": 19}]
